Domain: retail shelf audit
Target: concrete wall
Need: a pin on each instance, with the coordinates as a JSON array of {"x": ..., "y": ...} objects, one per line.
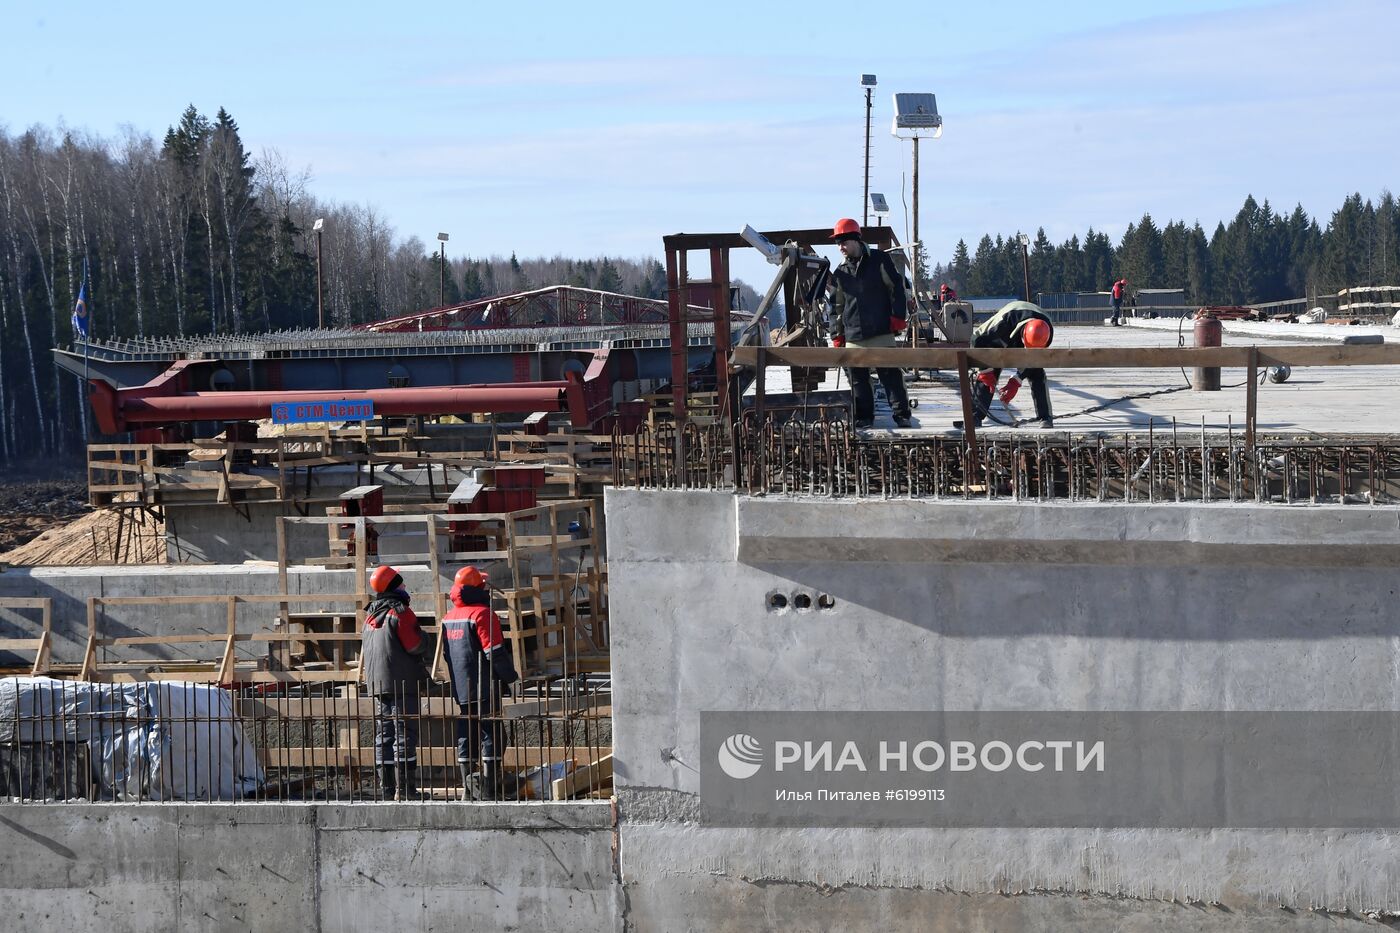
[
  {"x": 1006, "y": 606},
  {"x": 310, "y": 867}
]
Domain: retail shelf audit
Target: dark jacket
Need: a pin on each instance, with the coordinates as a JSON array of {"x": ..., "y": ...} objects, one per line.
[
  {"x": 865, "y": 295},
  {"x": 391, "y": 647},
  {"x": 1003, "y": 329},
  {"x": 472, "y": 643}
]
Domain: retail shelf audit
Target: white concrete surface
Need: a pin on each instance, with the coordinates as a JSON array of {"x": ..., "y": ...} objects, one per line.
[{"x": 989, "y": 606}]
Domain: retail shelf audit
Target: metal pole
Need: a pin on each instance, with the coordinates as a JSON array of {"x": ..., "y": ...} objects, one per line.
[
  {"x": 1026, "y": 270},
  {"x": 915, "y": 245},
  {"x": 320, "y": 306},
  {"x": 442, "y": 272},
  {"x": 865, "y": 194}
]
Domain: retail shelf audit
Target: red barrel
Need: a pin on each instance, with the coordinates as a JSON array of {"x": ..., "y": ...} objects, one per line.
[{"x": 1208, "y": 332}]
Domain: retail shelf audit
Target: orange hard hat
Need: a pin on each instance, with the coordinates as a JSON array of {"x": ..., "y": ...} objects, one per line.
[
  {"x": 845, "y": 227},
  {"x": 384, "y": 579},
  {"x": 469, "y": 576},
  {"x": 1035, "y": 334}
]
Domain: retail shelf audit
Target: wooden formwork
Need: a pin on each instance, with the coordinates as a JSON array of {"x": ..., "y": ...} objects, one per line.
[{"x": 42, "y": 646}]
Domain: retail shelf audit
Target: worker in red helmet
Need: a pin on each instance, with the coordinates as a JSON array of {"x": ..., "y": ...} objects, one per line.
[
  {"x": 946, "y": 293},
  {"x": 1019, "y": 324},
  {"x": 1117, "y": 293},
  {"x": 391, "y": 665},
  {"x": 480, "y": 668},
  {"x": 868, "y": 308}
]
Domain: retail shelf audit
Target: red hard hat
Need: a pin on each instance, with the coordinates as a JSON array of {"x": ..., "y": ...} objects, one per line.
[
  {"x": 1036, "y": 334},
  {"x": 469, "y": 576},
  {"x": 384, "y": 579},
  {"x": 845, "y": 227}
]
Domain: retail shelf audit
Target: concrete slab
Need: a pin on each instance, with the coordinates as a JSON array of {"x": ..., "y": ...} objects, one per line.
[{"x": 1359, "y": 399}]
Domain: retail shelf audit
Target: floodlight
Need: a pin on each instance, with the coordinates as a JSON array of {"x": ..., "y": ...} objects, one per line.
[
  {"x": 878, "y": 204},
  {"x": 1025, "y": 240},
  {"x": 320, "y": 222},
  {"x": 442, "y": 237},
  {"x": 867, "y": 80}
]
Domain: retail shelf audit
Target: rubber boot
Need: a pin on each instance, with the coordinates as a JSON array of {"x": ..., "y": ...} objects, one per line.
[
  {"x": 471, "y": 781},
  {"x": 981, "y": 402},
  {"x": 387, "y": 783},
  {"x": 1040, "y": 394},
  {"x": 500, "y": 783},
  {"x": 408, "y": 782}
]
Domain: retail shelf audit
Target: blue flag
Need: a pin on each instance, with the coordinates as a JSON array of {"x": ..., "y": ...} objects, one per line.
[{"x": 80, "y": 313}]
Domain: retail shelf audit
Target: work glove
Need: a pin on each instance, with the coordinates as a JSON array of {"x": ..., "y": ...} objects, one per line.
[
  {"x": 1008, "y": 391},
  {"x": 503, "y": 668},
  {"x": 989, "y": 379},
  {"x": 838, "y": 341},
  {"x": 897, "y": 325}
]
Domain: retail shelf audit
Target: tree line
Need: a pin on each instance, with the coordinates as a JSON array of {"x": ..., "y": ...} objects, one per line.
[
  {"x": 193, "y": 234},
  {"x": 1259, "y": 256}
]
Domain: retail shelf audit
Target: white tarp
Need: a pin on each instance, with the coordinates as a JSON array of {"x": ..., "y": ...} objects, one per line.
[{"x": 153, "y": 741}]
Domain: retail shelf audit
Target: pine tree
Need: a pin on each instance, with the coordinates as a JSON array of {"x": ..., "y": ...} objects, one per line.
[
  {"x": 608, "y": 278},
  {"x": 961, "y": 269}
]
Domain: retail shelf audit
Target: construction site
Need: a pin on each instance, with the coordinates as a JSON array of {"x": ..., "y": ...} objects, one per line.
[{"x": 678, "y": 516}]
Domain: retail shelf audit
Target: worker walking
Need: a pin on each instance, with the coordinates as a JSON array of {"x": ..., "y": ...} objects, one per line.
[
  {"x": 391, "y": 665},
  {"x": 1019, "y": 324},
  {"x": 480, "y": 667},
  {"x": 1117, "y": 293},
  {"x": 868, "y": 308}
]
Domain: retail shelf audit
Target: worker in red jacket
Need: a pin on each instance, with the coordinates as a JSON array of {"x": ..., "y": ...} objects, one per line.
[
  {"x": 391, "y": 665},
  {"x": 1118, "y": 288},
  {"x": 480, "y": 667}
]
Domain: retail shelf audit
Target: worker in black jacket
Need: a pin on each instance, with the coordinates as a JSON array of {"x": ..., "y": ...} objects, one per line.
[
  {"x": 392, "y": 649},
  {"x": 1019, "y": 324},
  {"x": 868, "y": 310}
]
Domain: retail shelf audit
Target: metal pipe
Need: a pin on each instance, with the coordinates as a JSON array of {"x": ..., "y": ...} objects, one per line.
[{"x": 247, "y": 406}]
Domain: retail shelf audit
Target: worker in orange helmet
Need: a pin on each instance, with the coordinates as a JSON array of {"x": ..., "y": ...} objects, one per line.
[
  {"x": 1019, "y": 324},
  {"x": 480, "y": 668},
  {"x": 868, "y": 308},
  {"x": 392, "y": 647}
]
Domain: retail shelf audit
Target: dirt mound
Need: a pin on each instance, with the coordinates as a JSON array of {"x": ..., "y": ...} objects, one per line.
[
  {"x": 48, "y": 522},
  {"x": 29, "y": 507},
  {"x": 96, "y": 537}
]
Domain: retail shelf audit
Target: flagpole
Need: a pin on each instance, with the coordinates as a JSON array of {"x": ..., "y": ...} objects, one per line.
[{"x": 83, "y": 395}]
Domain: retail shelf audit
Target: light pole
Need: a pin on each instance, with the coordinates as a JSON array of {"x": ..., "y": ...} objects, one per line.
[
  {"x": 320, "y": 305},
  {"x": 867, "y": 82},
  {"x": 442, "y": 268},
  {"x": 915, "y": 116},
  {"x": 1025, "y": 262}
]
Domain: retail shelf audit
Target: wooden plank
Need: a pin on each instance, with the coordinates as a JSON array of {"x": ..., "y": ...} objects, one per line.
[
  {"x": 25, "y": 602},
  {"x": 585, "y": 777}
]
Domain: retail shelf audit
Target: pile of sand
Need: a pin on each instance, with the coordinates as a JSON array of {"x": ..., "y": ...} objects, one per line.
[{"x": 98, "y": 537}]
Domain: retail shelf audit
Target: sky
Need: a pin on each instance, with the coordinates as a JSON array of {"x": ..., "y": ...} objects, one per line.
[{"x": 581, "y": 130}]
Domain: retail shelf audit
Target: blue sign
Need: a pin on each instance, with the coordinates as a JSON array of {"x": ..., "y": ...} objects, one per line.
[{"x": 304, "y": 412}]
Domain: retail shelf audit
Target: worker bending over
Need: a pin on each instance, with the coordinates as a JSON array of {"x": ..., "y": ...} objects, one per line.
[
  {"x": 480, "y": 668},
  {"x": 1019, "y": 324}
]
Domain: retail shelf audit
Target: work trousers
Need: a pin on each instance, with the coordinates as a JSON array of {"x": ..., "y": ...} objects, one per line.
[
  {"x": 892, "y": 379},
  {"x": 480, "y": 732},
  {"x": 396, "y": 727}
]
